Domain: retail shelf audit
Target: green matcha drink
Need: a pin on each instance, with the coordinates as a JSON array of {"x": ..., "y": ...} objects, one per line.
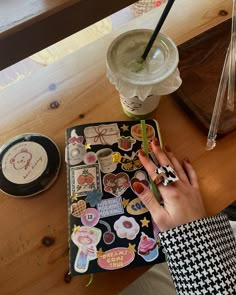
[{"x": 141, "y": 83}]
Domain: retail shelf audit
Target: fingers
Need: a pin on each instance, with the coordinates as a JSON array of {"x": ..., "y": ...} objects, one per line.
[
  {"x": 192, "y": 176},
  {"x": 160, "y": 155},
  {"x": 148, "y": 164},
  {"x": 177, "y": 166},
  {"x": 146, "y": 196}
]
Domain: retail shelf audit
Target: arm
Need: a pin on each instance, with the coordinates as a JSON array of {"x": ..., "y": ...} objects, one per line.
[
  {"x": 201, "y": 250},
  {"x": 202, "y": 256}
]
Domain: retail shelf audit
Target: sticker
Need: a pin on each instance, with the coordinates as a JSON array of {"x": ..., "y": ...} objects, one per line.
[
  {"x": 78, "y": 208},
  {"x": 86, "y": 239},
  {"x": 128, "y": 163},
  {"x": 139, "y": 176},
  {"x": 115, "y": 258},
  {"x": 85, "y": 178},
  {"x": 87, "y": 146},
  {"x": 116, "y": 184},
  {"x": 75, "y": 138},
  {"x": 90, "y": 158},
  {"x": 125, "y": 202},
  {"x": 147, "y": 248},
  {"x": 124, "y": 127},
  {"x": 145, "y": 222},
  {"x": 102, "y": 134},
  {"x": 90, "y": 217},
  {"x": 94, "y": 197},
  {"x": 136, "y": 132},
  {"x": 105, "y": 160},
  {"x": 24, "y": 162},
  {"x": 74, "y": 197},
  {"x": 108, "y": 236},
  {"x": 126, "y": 143},
  {"x": 74, "y": 153},
  {"x": 126, "y": 227},
  {"x": 110, "y": 207},
  {"x": 136, "y": 207}
]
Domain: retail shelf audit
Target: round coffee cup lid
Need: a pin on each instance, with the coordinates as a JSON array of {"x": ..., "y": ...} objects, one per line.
[{"x": 29, "y": 164}]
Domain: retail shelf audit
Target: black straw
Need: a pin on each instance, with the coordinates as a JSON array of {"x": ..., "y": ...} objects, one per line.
[{"x": 158, "y": 28}]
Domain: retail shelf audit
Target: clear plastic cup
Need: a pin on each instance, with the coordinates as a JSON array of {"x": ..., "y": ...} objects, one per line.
[{"x": 140, "y": 85}]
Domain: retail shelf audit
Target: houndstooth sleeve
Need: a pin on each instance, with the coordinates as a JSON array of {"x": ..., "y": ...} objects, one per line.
[{"x": 202, "y": 256}]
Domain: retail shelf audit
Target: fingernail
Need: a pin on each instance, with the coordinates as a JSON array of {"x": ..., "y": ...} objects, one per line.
[
  {"x": 186, "y": 159},
  {"x": 141, "y": 152},
  {"x": 168, "y": 149},
  {"x": 138, "y": 187},
  {"x": 155, "y": 141}
]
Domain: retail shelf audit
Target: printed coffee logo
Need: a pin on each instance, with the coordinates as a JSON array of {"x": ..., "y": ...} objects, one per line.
[{"x": 24, "y": 162}]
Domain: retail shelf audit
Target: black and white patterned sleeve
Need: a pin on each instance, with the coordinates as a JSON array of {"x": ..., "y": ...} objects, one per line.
[{"x": 202, "y": 256}]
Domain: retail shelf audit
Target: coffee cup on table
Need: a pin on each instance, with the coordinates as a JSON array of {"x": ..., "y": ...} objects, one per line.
[{"x": 141, "y": 84}]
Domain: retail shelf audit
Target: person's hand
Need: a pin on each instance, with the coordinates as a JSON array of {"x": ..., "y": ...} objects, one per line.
[{"x": 182, "y": 200}]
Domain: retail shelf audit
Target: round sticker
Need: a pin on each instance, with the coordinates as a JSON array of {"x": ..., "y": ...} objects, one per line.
[
  {"x": 29, "y": 164},
  {"x": 24, "y": 162}
]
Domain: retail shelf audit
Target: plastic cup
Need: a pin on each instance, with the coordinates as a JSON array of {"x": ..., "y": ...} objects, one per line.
[{"x": 141, "y": 85}]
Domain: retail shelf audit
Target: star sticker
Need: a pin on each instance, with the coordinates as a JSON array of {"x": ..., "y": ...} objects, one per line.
[
  {"x": 87, "y": 146},
  {"x": 74, "y": 197},
  {"x": 76, "y": 228},
  {"x": 145, "y": 222},
  {"x": 124, "y": 127},
  {"x": 125, "y": 202},
  {"x": 131, "y": 248},
  {"x": 100, "y": 253},
  {"x": 116, "y": 157}
]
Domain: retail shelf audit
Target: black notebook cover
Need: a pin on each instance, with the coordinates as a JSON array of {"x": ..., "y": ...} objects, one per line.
[{"x": 109, "y": 227}]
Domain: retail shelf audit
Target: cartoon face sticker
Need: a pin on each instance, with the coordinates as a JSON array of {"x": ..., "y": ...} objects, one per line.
[
  {"x": 21, "y": 160},
  {"x": 116, "y": 184},
  {"x": 86, "y": 239}
]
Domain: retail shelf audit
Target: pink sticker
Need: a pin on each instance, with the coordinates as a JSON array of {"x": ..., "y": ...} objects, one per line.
[
  {"x": 90, "y": 158},
  {"x": 147, "y": 248},
  {"x": 90, "y": 217},
  {"x": 86, "y": 239},
  {"x": 115, "y": 258}
]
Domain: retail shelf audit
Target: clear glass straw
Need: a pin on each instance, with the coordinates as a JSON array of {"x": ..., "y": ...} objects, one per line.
[
  {"x": 232, "y": 62},
  {"x": 212, "y": 134}
]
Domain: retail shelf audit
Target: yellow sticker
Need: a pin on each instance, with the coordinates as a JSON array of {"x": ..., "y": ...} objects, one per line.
[{"x": 136, "y": 207}]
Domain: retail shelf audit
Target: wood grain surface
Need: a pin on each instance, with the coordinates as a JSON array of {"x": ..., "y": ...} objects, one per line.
[
  {"x": 201, "y": 64},
  {"x": 84, "y": 95}
]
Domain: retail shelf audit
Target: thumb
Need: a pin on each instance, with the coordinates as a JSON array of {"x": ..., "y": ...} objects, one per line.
[{"x": 151, "y": 203}]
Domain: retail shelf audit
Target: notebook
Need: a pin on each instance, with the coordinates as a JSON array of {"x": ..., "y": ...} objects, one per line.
[{"x": 109, "y": 227}]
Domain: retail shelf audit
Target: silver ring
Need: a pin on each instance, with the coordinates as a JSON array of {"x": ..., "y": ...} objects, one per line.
[{"x": 165, "y": 175}]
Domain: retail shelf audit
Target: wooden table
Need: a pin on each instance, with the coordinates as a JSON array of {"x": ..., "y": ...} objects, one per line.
[{"x": 85, "y": 95}]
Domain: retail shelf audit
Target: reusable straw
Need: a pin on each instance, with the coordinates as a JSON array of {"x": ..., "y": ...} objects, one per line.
[
  {"x": 232, "y": 62},
  {"x": 139, "y": 63},
  {"x": 158, "y": 28},
  {"x": 212, "y": 134},
  {"x": 145, "y": 149}
]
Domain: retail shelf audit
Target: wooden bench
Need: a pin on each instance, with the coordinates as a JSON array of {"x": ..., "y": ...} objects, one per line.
[{"x": 28, "y": 26}]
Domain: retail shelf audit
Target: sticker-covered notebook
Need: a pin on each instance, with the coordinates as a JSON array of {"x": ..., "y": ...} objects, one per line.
[{"x": 109, "y": 227}]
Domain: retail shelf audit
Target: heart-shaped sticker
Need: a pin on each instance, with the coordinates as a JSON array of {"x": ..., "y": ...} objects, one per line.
[
  {"x": 139, "y": 176},
  {"x": 116, "y": 184}
]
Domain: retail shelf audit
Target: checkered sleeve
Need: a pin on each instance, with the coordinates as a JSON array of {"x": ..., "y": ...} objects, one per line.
[{"x": 202, "y": 256}]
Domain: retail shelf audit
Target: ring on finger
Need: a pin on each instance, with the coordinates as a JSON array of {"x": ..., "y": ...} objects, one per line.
[{"x": 165, "y": 175}]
